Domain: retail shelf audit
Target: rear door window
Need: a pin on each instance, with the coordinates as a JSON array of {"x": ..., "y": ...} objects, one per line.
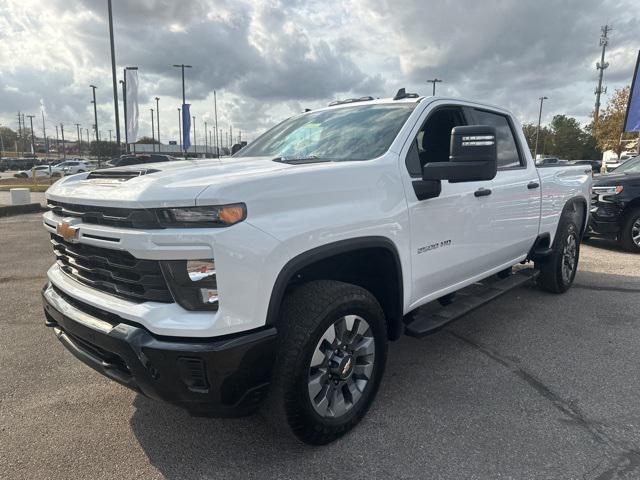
[{"x": 508, "y": 152}]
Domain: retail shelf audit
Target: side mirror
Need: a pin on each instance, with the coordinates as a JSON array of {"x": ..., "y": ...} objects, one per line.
[{"x": 473, "y": 156}]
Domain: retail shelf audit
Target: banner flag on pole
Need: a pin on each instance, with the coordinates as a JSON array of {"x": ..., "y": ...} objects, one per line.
[
  {"x": 131, "y": 80},
  {"x": 632, "y": 118},
  {"x": 186, "y": 126}
]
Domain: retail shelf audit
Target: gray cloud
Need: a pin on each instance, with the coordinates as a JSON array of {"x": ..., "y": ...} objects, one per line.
[{"x": 268, "y": 60}]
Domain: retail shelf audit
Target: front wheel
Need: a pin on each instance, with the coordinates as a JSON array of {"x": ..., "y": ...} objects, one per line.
[
  {"x": 630, "y": 233},
  {"x": 558, "y": 272},
  {"x": 331, "y": 357}
]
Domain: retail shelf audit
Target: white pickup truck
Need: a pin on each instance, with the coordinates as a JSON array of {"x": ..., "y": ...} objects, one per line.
[{"x": 281, "y": 273}]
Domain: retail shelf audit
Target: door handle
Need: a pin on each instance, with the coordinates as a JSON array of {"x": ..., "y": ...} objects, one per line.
[
  {"x": 532, "y": 185},
  {"x": 482, "y": 192}
]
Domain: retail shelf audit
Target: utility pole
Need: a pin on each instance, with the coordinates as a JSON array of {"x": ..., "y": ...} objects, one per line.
[
  {"x": 434, "y": 81},
  {"x": 113, "y": 74},
  {"x": 230, "y": 136},
  {"x": 95, "y": 112},
  {"x": 153, "y": 133},
  {"x": 182, "y": 66},
  {"x": 215, "y": 112},
  {"x": 195, "y": 140},
  {"x": 180, "y": 128},
  {"x": 64, "y": 150},
  {"x": 44, "y": 134},
  {"x": 1, "y": 143},
  {"x": 79, "y": 139},
  {"x": 535, "y": 152},
  {"x": 110, "y": 135},
  {"x": 57, "y": 143},
  {"x": 33, "y": 145},
  {"x": 158, "y": 120},
  {"x": 601, "y": 66},
  {"x": 206, "y": 145},
  {"x": 19, "y": 133}
]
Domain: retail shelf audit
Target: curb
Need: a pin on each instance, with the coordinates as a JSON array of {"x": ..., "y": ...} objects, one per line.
[{"x": 9, "y": 210}]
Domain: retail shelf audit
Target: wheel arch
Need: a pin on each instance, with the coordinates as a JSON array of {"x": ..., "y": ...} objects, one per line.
[
  {"x": 577, "y": 205},
  {"x": 352, "y": 257}
]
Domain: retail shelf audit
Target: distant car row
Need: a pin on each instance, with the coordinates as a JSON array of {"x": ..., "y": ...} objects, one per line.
[{"x": 69, "y": 167}]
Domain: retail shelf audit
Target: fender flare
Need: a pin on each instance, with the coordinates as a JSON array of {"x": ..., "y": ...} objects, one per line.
[{"x": 326, "y": 251}]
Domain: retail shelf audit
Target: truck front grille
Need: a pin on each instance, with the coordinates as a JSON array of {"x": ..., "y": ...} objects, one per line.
[
  {"x": 116, "y": 272},
  {"x": 115, "y": 217}
]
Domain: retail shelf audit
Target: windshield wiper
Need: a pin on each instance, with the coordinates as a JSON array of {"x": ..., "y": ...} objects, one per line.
[{"x": 301, "y": 160}]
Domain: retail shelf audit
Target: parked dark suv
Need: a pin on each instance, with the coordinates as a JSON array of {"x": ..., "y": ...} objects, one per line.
[{"x": 615, "y": 205}]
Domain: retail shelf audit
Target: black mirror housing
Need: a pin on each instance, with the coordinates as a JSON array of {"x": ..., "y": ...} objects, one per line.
[{"x": 473, "y": 156}]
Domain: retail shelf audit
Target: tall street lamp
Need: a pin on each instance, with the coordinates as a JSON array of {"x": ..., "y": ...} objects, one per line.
[
  {"x": 535, "y": 152},
  {"x": 113, "y": 73},
  {"x": 153, "y": 132},
  {"x": 158, "y": 120},
  {"x": 434, "y": 81},
  {"x": 195, "y": 144}
]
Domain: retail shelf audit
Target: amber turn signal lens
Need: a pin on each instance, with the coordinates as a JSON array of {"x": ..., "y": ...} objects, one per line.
[{"x": 231, "y": 215}]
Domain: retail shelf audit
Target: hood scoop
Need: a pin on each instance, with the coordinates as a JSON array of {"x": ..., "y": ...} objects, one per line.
[{"x": 115, "y": 175}]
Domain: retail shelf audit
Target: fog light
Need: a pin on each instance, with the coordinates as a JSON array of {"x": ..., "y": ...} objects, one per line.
[{"x": 193, "y": 283}]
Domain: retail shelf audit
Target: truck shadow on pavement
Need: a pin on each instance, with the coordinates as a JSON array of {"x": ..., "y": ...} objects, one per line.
[{"x": 519, "y": 378}]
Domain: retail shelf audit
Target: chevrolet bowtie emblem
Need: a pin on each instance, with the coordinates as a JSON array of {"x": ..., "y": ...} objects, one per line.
[{"x": 67, "y": 231}]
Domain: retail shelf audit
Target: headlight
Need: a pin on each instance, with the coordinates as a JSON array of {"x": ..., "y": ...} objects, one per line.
[
  {"x": 206, "y": 216},
  {"x": 614, "y": 190},
  {"x": 192, "y": 283}
]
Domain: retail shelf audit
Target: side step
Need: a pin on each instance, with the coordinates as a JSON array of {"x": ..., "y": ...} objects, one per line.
[{"x": 426, "y": 321}]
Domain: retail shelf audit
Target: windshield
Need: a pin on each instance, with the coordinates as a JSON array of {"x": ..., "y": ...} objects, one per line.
[
  {"x": 630, "y": 166},
  {"x": 350, "y": 133}
]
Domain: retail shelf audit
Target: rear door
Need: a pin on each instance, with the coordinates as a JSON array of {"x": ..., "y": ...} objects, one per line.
[{"x": 515, "y": 191}]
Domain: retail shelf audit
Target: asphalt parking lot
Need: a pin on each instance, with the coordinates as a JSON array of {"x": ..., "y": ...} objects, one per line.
[{"x": 531, "y": 386}]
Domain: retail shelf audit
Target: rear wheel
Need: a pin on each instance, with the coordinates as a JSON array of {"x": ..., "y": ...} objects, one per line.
[
  {"x": 332, "y": 353},
  {"x": 630, "y": 233},
  {"x": 558, "y": 271}
]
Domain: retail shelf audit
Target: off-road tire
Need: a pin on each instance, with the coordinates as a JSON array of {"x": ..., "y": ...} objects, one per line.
[
  {"x": 629, "y": 225},
  {"x": 551, "y": 276},
  {"x": 307, "y": 312}
]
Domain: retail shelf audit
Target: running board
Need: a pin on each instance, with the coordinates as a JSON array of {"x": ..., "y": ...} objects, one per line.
[{"x": 427, "y": 321}]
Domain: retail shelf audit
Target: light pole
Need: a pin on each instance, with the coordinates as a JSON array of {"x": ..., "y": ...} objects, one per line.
[
  {"x": 79, "y": 139},
  {"x": 535, "y": 151},
  {"x": 206, "y": 145},
  {"x": 44, "y": 133},
  {"x": 153, "y": 133},
  {"x": 158, "y": 120},
  {"x": 113, "y": 74},
  {"x": 64, "y": 147},
  {"x": 95, "y": 111},
  {"x": 1, "y": 143},
  {"x": 33, "y": 145},
  {"x": 182, "y": 66},
  {"x": 215, "y": 112},
  {"x": 434, "y": 81}
]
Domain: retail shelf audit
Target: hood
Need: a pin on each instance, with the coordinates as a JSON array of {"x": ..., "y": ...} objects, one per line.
[
  {"x": 611, "y": 179},
  {"x": 165, "y": 184}
]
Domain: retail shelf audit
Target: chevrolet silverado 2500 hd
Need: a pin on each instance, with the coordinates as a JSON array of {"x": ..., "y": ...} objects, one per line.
[{"x": 275, "y": 278}]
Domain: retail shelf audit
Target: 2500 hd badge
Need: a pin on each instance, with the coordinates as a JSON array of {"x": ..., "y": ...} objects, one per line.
[{"x": 433, "y": 246}]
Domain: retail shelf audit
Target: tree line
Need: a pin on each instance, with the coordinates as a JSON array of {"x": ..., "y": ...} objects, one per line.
[{"x": 565, "y": 138}]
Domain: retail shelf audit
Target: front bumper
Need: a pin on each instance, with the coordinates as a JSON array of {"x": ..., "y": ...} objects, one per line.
[{"x": 225, "y": 376}]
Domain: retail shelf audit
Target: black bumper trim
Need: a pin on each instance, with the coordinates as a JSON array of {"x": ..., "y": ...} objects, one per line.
[{"x": 225, "y": 376}]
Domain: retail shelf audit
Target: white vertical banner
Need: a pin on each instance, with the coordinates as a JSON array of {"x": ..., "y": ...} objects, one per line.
[{"x": 131, "y": 80}]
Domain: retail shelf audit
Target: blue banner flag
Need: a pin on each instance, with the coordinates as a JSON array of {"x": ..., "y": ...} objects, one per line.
[
  {"x": 632, "y": 119},
  {"x": 186, "y": 126}
]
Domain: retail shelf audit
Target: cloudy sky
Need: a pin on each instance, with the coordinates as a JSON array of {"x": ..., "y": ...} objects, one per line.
[{"x": 269, "y": 59}]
